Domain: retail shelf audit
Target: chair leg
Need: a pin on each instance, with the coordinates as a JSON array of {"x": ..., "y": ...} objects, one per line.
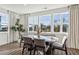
[
  {"x": 66, "y": 50},
  {"x": 23, "y": 51},
  {"x": 53, "y": 51},
  {"x": 30, "y": 52},
  {"x": 34, "y": 51},
  {"x": 44, "y": 52},
  {"x": 20, "y": 43}
]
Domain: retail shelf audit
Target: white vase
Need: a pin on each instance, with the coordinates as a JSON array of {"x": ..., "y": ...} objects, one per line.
[
  {"x": 19, "y": 40},
  {"x": 17, "y": 37}
]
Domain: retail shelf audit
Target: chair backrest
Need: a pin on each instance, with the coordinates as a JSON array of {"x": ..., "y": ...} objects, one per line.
[
  {"x": 39, "y": 42},
  {"x": 28, "y": 40},
  {"x": 64, "y": 41}
]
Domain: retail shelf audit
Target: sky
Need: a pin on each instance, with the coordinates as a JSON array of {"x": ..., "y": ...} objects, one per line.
[{"x": 4, "y": 20}]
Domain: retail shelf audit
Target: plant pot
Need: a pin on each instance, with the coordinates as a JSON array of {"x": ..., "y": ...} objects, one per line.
[{"x": 19, "y": 40}]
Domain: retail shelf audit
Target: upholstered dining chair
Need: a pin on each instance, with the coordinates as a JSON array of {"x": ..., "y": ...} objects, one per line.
[
  {"x": 40, "y": 45},
  {"x": 60, "y": 46},
  {"x": 28, "y": 44}
]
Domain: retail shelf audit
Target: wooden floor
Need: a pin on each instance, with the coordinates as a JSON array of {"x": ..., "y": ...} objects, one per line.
[{"x": 14, "y": 49}]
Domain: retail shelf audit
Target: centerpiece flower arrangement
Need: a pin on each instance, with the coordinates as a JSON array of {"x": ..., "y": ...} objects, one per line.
[{"x": 38, "y": 32}]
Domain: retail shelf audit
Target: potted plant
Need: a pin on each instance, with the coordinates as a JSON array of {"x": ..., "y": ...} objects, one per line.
[{"x": 18, "y": 28}]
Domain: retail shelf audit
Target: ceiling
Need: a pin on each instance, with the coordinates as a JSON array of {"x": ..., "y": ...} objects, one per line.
[{"x": 30, "y": 8}]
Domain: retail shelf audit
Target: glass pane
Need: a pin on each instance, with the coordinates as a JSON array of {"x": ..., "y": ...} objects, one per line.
[
  {"x": 35, "y": 23},
  {"x": 3, "y": 23},
  {"x": 57, "y": 19},
  {"x": 56, "y": 28},
  {"x": 65, "y": 28},
  {"x": 30, "y": 28},
  {"x": 45, "y": 22},
  {"x": 65, "y": 18},
  {"x": 30, "y": 20},
  {"x": 30, "y": 23}
]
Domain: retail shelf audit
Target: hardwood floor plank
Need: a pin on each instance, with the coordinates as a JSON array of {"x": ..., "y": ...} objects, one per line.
[{"x": 14, "y": 49}]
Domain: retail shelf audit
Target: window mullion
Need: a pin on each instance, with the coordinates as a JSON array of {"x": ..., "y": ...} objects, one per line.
[
  {"x": 61, "y": 24},
  {"x": 52, "y": 23}
]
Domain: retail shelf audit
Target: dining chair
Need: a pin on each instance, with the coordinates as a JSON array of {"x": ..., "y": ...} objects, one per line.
[
  {"x": 60, "y": 46},
  {"x": 40, "y": 45},
  {"x": 28, "y": 44}
]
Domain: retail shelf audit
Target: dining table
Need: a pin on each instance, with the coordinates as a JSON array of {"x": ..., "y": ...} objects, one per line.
[{"x": 42, "y": 37}]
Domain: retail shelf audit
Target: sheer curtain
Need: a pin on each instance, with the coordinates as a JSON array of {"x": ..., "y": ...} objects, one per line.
[
  {"x": 74, "y": 26},
  {"x": 12, "y": 20}
]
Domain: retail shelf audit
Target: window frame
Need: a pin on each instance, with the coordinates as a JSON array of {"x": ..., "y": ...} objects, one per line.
[{"x": 52, "y": 22}]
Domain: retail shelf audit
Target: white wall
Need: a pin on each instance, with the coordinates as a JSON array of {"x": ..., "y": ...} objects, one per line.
[{"x": 8, "y": 36}]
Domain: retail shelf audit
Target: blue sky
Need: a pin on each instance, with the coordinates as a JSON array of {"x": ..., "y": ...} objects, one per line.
[
  {"x": 4, "y": 20},
  {"x": 45, "y": 20},
  {"x": 58, "y": 17}
]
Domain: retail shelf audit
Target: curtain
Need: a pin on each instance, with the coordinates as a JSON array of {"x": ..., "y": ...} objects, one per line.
[
  {"x": 24, "y": 21},
  {"x": 12, "y": 19},
  {"x": 74, "y": 26}
]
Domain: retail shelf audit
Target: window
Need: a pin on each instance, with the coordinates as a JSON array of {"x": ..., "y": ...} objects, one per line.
[
  {"x": 36, "y": 23},
  {"x": 45, "y": 23},
  {"x": 61, "y": 22},
  {"x": 30, "y": 23},
  {"x": 3, "y": 22},
  {"x": 57, "y": 21},
  {"x": 65, "y": 22}
]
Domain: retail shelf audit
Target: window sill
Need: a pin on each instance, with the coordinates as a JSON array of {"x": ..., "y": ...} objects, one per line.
[
  {"x": 49, "y": 33},
  {"x": 4, "y": 32}
]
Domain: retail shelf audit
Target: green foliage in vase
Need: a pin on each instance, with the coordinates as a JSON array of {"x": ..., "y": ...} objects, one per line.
[{"x": 18, "y": 27}]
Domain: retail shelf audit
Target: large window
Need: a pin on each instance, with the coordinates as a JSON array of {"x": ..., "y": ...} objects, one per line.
[
  {"x": 42, "y": 22},
  {"x": 45, "y": 23},
  {"x": 3, "y": 22},
  {"x": 33, "y": 23},
  {"x": 61, "y": 22}
]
